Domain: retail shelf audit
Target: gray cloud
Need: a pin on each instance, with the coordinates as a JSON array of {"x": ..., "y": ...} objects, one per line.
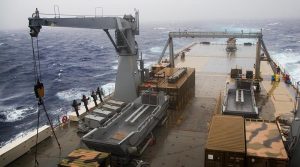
[{"x": 14, "y": 13}]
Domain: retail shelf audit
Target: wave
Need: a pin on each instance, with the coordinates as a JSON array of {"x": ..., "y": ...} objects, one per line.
[
  {"x": 76, "y": 93},
  {"x": 108, "y": 88},
  {"x": 286, "y": 57},
  {"x": 49, "y": 46},
  {"x": 115, "y": 67},
  {"x": 115, "y": 64},
  {"x": 12, "y": 97},
  {"x": 156, "y": 49},
  {"x": 273, "y": 24},
  {"x": 106, "y": 73},
  {"x": 289, "y": 61},
  {"x": 13, "y": 114},
  {"x": 71, "y": 94},
  {"x": 159, "y": 28}
]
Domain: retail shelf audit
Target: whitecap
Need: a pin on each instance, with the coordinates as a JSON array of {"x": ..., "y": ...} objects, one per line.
[
  {"x": 159, "y": 28},
  {"x": 156, "y": 49},
  {"x": 273, "y": 24},
  {"x": 12, "y": 97},
  {"x": 71, "y": 94},
  {"x": 103, "y": 74},
  {"x": 115, "y": 67},
  {"x": 289, "y": 61},
  {"x": 108, "y": 88},
  {"x": 288, "y": 50},
  {"x": 57, "y": 80},
  {"x": 13, "y": 114},
  {"x": 1, "y": 44}
]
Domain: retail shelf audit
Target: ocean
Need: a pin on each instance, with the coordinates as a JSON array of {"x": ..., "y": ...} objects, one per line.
[{"x": 77, "y": 61}]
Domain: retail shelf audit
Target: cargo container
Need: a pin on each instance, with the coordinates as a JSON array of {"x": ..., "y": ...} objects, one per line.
[
  {"x": 226, "y": 142},
  {"x": 178, "y": 83},
  {"x": 264, "y": 144}
]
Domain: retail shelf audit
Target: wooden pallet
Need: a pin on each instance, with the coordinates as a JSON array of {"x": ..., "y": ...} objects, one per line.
[{"x": 86, "y": 158}]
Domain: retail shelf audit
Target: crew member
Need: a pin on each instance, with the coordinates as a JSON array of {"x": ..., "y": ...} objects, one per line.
[
  {"x": 94, "y": 96},
  {"x": 182, "y": 55},
  {"x": 98, "y": 92},
  {"x": 76, "y": 107},
  {"x": 85, "y": 102},
  {"x": 278, "y": 70}
]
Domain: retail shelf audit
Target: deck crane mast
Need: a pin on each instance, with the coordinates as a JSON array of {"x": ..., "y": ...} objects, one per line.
[{"x": 128, "y": 75}]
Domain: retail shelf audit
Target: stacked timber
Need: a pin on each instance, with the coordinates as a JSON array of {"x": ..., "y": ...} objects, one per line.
[
  {"x": 84, "y": 157},
  {"x": 178, "y": 83}
]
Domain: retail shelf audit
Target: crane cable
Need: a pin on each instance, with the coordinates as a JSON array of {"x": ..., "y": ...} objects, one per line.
[{"x": 39, "y": 93}]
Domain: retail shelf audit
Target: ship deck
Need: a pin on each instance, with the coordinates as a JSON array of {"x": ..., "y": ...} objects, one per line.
[{"x": 181, "y": 141}]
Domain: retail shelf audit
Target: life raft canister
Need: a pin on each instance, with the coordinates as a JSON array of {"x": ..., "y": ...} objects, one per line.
[{"x": 64, "y": 119}]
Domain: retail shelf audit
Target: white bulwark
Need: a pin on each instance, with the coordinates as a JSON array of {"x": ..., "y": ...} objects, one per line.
[{"x": 21, "y": 145}]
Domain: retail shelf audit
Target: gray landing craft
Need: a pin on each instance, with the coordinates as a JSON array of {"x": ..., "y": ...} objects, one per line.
[
  {"x": 239, "y": 99},
  {"x": 125, "y": 131}
]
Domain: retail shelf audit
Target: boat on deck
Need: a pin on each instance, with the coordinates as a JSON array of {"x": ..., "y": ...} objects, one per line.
[
  {"x": 125, "y": 131},
  {"x": 240, "y": 99}
]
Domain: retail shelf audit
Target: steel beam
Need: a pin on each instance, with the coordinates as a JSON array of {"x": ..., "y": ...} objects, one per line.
[
  {"x": 186, "y": 34},
  {"x": 257, "y": 62},
  {"x": 164, "y": 51},
  {"x": 171, "y": 50},
  {"x": 268, "y": 56}
]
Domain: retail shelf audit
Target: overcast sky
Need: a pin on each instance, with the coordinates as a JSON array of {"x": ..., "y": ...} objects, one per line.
[{"x": 14, "y": 13}]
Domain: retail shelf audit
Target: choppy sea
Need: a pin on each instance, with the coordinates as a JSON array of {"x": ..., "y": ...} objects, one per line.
[{"x": 75, "y": 61}]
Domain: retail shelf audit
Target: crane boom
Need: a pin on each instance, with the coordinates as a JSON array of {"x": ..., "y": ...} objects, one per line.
[
  {"x": 84, "y": 22},
  {"x": 128, "y": 75}
]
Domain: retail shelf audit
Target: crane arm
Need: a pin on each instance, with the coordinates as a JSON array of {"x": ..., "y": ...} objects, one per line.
[
  {"x": 120, "y": 25},
  {"x": 85, "y": 22}
]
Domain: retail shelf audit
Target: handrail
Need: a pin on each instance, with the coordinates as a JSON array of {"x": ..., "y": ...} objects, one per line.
[
  {"x": 78, "y": 15},
  {"x": 219, "y": 34}
]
